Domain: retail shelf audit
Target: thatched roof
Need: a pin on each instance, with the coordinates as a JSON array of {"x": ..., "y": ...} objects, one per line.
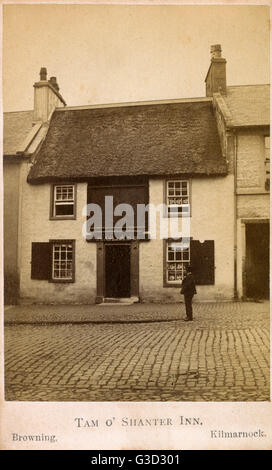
[{"x": 143, "y": 139}]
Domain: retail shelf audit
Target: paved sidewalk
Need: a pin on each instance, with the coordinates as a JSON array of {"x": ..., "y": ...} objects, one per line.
[{"x": 205, "y": 313}]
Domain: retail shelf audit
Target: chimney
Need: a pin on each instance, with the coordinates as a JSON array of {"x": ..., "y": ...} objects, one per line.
[
  {"x": 216, "y": 80},
  {"x": 46, "y": 96}
]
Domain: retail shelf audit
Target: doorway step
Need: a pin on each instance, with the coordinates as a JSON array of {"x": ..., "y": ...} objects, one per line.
[{"x": 119, "y": 301}]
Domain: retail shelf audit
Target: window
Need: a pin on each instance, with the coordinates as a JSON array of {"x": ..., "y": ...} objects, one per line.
[
  {"x": 177, "y": 194},
  {"x": 63, "y": 201},
  {"x": 267, "y": 162},
  {"x": 199, "y": 255},
  {"x": 62, "y": 261},
  {"x": 53, "y": 261},
  {"x": 177, "y": 257}
]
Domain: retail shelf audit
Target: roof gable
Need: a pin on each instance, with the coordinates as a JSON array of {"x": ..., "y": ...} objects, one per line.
[
  {"x": 249, "y": 105},
  {"x": 16, "y": 127}
]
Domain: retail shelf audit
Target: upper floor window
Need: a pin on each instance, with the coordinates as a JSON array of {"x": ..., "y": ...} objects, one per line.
[
  {"x": 267, "y": 162},
  {"x": 177, "y": 194},
  {"x": 63, "y": 201}
]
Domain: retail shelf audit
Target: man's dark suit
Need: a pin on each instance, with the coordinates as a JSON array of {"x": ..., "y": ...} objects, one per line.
[{"x": 189, "y": 290}]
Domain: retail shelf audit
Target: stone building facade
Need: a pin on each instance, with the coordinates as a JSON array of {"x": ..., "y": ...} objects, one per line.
[
  {"x": 181, "y": 153},
  {"x": 243, "y": 117},
  {"x": 22, "y": 134}
]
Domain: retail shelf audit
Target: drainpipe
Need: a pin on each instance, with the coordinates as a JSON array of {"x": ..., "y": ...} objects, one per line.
[{"x": 235, "y": 217}]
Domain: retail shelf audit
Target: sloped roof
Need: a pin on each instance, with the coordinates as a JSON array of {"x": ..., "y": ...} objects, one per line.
[
  {"x": 249, "y": 105},
  {"x": 152, "y": 139},
  {"x": 16, "y": 127}
]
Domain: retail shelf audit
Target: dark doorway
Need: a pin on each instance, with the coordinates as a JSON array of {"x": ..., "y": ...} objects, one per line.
[
  {"x": 117, "y": 269},
  {"x": 257, "y": 260}
]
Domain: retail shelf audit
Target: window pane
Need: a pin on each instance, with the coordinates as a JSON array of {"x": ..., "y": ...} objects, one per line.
[
  {"x": 64, "y": 209},
  {"x": 171, "y": 266},
  {"x": 171, "y": 276},
  {"x": 178, "y": 256}
]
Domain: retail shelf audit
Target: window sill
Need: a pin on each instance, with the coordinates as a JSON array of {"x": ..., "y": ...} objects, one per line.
[
  {"x": 178, "y": 216},
  {"x": 63, "y": 217},
  {"x": 176, "y": 285}
]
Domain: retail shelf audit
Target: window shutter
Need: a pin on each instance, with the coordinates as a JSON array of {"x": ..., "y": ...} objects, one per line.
[
  {"x": 202, "y": 261},
  {"x": 41, "y": 261}
]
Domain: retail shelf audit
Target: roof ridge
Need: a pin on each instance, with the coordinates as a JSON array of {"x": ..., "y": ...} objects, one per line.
[
  {"x": 136, "y": 103},
  {"x": 23, "y": 111},
  {"x": 243, "y": 86}
]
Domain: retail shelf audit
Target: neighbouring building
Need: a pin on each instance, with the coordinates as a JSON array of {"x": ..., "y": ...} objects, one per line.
[
  {"x": 177, "y": 152},
  {"x": 22, "y": 134},
  {"x": 243, "y": 116}
]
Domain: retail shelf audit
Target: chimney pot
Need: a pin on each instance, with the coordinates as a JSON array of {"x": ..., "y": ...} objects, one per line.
[
  {"x": 216, "y": 79},
  {"x": 216, "y": 51},
  {"x": 43, "y": 73},
  {"x": 53, "y": 81}
]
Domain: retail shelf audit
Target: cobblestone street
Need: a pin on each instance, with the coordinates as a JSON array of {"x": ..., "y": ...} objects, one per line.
[{"x": 139, "y": 352}]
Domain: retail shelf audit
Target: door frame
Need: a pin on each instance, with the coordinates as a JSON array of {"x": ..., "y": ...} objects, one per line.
[
  {"x": 101, "y": 267},
  {"x": 245, "y": 221}
]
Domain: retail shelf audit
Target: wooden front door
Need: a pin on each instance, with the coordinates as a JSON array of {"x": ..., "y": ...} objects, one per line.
[{"x": 117, "y": 270}]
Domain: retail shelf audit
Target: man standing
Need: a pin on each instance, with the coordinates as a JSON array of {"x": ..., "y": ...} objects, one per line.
[{"x": 188, "y": 289}]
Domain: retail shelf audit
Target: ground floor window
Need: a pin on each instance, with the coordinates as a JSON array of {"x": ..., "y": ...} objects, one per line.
[
  {"x": 53, "y": 261},
  {"x": 199, "y": 255},
  {"x": 178, "y": 256},
  {"x": 62, "y": 266}
]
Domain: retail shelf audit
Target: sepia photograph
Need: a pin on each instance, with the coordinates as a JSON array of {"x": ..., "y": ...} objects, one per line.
[{"x": 136, "y": 205}]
